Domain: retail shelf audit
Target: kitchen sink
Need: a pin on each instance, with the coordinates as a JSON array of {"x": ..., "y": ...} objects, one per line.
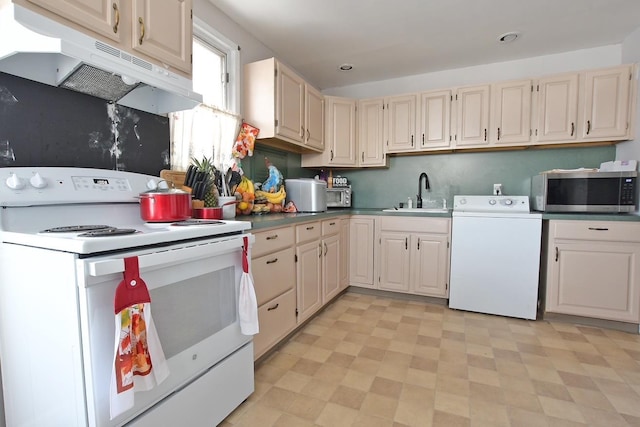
[{"x": 417, "y": 210}]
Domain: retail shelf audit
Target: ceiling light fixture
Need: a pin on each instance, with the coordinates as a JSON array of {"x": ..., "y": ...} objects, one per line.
[
  {"x": 508, "y": 37},
  {"x": 346, "y": 67}
]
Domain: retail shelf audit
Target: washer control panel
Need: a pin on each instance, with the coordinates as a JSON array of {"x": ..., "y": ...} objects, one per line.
[{"x": 491, "y": 203}]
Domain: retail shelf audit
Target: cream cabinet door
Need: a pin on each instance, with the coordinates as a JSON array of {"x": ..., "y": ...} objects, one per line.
[
  {"x": 595, "y": 279},
  {"x": 341, "y": 131},
  {"x": 99, "y": 16},
  {"x": 344, "y": 253},
  {"x": 435, "y": 120},
  {"x": 371, "y": 132},
  {"x": 314, "y": 118},
  {"x": 331, "y": 254},
  {"x": 430, "y": 264},
  {"x": 401, "y": 123},
  {"x": 361, "y": 252},
  {"x": 395, "y": 273},
  {"x": 163, "y": 30},
  {"x": 290, "y": 90},
  {"x": 606, "y": 109},
  {"x": 511, "y": 113},
  {"x": 309, "y": 275},
  {"x": 557, "y": 108},
  {"x": 472, "y": 113}
]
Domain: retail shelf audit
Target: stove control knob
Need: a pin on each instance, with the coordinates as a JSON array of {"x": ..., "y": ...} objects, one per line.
[
  {"x": 492, "y": 202},
  {"x": 37, "y": 181},
  {"x": 463, "y": 201},
  {"x": 14, "y": 182},
  {"x": 508, "y": 202},
  {"x": 152, "y": 185}
]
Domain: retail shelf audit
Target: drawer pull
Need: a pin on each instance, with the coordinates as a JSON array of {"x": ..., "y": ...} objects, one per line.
[
  {"x": 311, "y": 227},
  {"x": 332, "y": 223},
  {"x": 275, "y": 236},
  {"x": 274, "y": 307},
  {"x": 272, "y": 261},
  {"x": 557, "y": 254},
  {"x": 598, "y": 228}
]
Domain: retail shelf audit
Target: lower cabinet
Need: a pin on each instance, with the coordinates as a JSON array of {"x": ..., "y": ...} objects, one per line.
[
  {"x": 361, "y": 251},
  {"x": 593, "y": 269},
  {"x": 414, "y": 255},
  {"x": 345, "y": 250},
  {"x": 273, "y": 270}
]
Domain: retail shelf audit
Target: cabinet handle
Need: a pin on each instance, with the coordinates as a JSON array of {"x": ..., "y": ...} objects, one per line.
[
  {"x": 485, "y": 134},
  {"x": 418, "y": 244},
  {"x": 412, "y": 140},
  {"x": 363, "y": 156},
  {"x": 302, "y": 131},
  {"x": 572, "y": 128},
  {"x": 272, "y": 261},
  {"x": 498, "y": 134},
  {"x": 275, "y": 236},
  {"x": 117, "y": 13},
  {"x": 332, "y": 223},
  {"x": 325, "y": 249},
  {"x": 588, "y": 126},
  {"x": 274, "y": 307},
  {"x": 311, "y": 227},
  {"x": 320, "y": 250},
  {"x": 557, "y": 254},
  {"x": 308, "y": 134},
  {"x": 406, "y": 243},
  {"x": 331, "y": 158},
  {"x": 423, "y": 139},
  {"x": 598, "y": 229},
  {"x": 141, "y": 21}
]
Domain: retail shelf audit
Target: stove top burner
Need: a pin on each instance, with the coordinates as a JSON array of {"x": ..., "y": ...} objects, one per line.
[
  {"x": 198, "y": 222},
  {"x": 76, "y": 228},
  {"x": 108, "y": 232}
]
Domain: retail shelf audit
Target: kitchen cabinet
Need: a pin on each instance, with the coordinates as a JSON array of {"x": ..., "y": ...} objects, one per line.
[
  {"x": 401, "y": 123},
  {"x": 288, "y": 111},
  {"x": 593, "y": 269},
  {"x": 511, "y": 113},
  {"x": 557, "y": 108},
  {"x": 308, "y": 269},
  {"x": 606, "y": 105},
  {"x": 331, "y": 255},
  {"x": 472, "y": 116},
  {"x": 160, "y": 33},
  {"x": 340, "y": 135},
  {"x": 273, "y": 270},
  {"x": 371, "y": 133},
  {"x": 434, "y": 120},
  {"x": 361, "y": 251},
  {"x": 344, "y": 254},
  {"x": 414, "y": 255}
]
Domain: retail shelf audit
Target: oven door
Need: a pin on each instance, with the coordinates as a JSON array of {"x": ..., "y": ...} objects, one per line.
[{"x": 194, "y": 305}]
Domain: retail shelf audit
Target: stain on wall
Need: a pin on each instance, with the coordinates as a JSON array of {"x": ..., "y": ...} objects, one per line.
[{"x": 42, "y": 125}]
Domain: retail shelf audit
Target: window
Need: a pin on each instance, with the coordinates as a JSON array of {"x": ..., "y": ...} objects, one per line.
[{"x": 211, "y": 128}]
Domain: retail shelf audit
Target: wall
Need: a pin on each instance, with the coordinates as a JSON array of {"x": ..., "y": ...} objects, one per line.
[{"x": 473, "y": 173}]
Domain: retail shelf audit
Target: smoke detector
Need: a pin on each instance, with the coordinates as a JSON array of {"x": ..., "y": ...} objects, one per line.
[{"x": 509, "y": 37}]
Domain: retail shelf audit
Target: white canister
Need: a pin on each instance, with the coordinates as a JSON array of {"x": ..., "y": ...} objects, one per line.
[{"x": 229, "y": 211}]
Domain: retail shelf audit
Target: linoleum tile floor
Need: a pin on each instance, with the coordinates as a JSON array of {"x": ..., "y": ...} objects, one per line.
[{"x": 378, "y": 361}]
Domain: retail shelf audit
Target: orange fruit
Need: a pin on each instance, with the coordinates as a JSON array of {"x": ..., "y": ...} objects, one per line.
[{"x": 243, "y": 205}]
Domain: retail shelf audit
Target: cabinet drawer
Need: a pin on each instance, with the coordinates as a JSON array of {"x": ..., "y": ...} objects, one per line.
[
  {"x": 272, "y": 240},
  {"x": 611, "y": 231},
  {"x": 308, "y": 231},
  {"x": 330, "y": 226},
  {"x": 273, "y": 274},
  {"x": 418, "y": 225},
  {"x": 277, "y": 318}
]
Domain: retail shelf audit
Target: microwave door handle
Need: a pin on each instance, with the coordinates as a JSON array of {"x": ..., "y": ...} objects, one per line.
[{"x": 116, "y": 265}]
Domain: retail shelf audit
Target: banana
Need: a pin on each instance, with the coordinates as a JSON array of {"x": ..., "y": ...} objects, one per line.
[{"x": 275, "y": 198}]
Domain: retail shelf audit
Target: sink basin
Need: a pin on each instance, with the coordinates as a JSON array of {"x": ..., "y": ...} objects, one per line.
[{"x": 417, "y": 210}]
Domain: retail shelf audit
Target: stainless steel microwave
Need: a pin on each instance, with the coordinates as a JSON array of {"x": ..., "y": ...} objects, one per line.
[
  {"x": 339, "y": 197},
  {"x": 581, "y": 191}
]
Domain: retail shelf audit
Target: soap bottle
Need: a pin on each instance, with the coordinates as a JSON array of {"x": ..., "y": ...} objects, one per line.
[{"x": 409, "y": 202}]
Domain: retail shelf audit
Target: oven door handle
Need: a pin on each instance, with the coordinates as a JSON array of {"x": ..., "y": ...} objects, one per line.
[{"x": 172, "y": 256}]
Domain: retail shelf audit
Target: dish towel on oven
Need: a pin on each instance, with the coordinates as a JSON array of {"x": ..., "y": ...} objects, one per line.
[
  {"x": 139, "y": 362},
  {"x": 248, "y": 304}
]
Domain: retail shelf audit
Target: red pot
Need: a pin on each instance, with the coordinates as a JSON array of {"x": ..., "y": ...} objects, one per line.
[
  {"x": 207, "y": 213},
  {"x": 165, "y": 205}
]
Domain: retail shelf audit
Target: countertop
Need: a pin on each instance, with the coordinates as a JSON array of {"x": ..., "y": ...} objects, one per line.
[{"x": 282, "y": 219}]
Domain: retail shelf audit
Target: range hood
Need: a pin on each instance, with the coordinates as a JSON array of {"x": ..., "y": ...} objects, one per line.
[{"x": 37, "y": 48}]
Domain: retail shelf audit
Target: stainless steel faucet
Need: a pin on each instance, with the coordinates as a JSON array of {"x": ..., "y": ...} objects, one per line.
[{"x": 426, "y": 187}]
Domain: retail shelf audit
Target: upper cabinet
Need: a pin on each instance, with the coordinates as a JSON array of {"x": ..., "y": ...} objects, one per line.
[
  {"x": 472, "y": 116},
  {"x": 434, "y": 120},
  {"x": 160, "y": 33},
  {"x": 288, "y": 111},
  {"x": 557, "y": 108},
  {"x": 606, "y": 104},
  {"x": 401, "y": 123},
  {"x": 371, "y": 133},
  {"x": 511, "y": 112},
  {"x": 340, "y": 135}
]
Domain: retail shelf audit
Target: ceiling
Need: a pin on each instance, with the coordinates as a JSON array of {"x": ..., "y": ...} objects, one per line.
[{"x": 393, "y": 38}]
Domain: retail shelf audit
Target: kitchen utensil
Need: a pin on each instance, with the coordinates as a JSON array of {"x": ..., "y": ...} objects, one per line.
[
  {"x": 188, "y": 178},
  {"x": 165, "y": 205}
]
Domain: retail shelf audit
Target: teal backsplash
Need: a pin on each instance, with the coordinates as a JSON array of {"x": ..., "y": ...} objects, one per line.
[
  {"x": 449, "y": 174},
  {"x": 464, "y": 173}
]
